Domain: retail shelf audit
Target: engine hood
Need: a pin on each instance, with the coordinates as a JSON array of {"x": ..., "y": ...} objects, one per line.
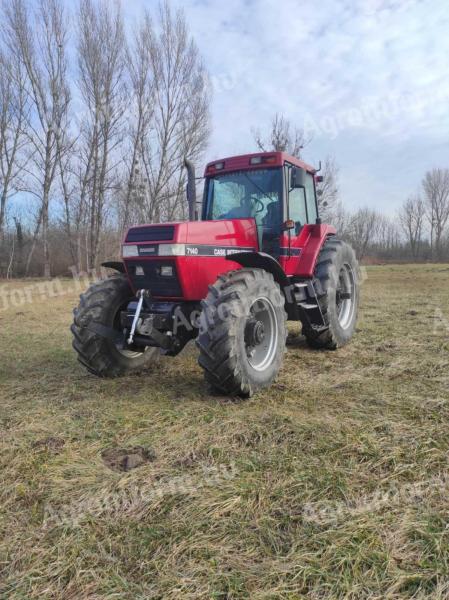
[
  {"x": 198, "y": 252},
  {"x": 192, "y": 238}
]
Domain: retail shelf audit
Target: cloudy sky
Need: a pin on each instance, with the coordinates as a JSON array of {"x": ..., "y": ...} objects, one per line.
[{"x": 368, "y": 79}]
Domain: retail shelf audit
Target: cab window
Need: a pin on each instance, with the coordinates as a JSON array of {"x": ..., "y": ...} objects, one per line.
[
  {"x": 297, "y": 208},
  {"x": 302, "y": 204},
  {"x": 245, "y": 194},
  {"x": 310, "y": 199}
]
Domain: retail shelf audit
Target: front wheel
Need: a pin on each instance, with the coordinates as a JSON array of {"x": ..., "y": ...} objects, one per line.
[
  {"x": 101, "y": 306},
  {"x": 242, "y": 332}
]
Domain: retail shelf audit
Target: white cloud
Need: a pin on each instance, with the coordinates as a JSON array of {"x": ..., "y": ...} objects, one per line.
[{"x": 331, "y": 60}]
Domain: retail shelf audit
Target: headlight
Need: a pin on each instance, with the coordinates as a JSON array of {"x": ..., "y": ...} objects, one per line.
[
  {"x": 129, "y": 251},
  {"x": 166, "y": 271},
  {"x": 172, "y": 249}
]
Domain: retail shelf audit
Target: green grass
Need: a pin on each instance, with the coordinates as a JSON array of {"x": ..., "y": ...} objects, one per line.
[{"x": 335, "y": 430}]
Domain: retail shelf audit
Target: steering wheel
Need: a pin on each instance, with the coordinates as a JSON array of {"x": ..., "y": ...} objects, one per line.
[{"x": 260, "y": 207}]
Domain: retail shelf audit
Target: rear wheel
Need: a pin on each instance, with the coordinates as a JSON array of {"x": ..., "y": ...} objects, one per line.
[
  {"x": 242, "y": 332},
  {"x": 337, "y": 285},
  {"x": 101, "y": 305}
]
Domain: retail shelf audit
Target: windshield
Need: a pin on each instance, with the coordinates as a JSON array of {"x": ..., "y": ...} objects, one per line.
[{"x": 255, "y": 193}]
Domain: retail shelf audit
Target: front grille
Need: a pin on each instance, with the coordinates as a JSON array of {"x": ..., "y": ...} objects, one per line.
[
  {"x": 151, "y": 233},
  {"x": 164, "y": 287}
]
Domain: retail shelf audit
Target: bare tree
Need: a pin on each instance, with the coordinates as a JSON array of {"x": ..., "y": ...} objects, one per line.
[
  {"x": 387, "y": 236},
  {"x": 68, "y": 192},
  {"x": 39, "y": 38},
  {"x": 327, "y": 191},
  {"x": 140, "y": 120},
  {"x": 167, "y": 73},
  {"x": 13, "y": 109},
  {"x": 101, "y": 60},
  {"x": 411, "y": 219},
  {"x": 363, "y": 230},
  {"x": 436, "y": 190},
  {"x": 282, "y": 137},
  {"x": 20, "y": 246},
  {"x": 341, "y": 220}
]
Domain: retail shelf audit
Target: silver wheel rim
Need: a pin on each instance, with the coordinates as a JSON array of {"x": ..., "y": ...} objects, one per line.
[
  {"x": 345, "y": 297},
  {"x": 130, "y": 353},
  {"x": 260, "y": 355}
]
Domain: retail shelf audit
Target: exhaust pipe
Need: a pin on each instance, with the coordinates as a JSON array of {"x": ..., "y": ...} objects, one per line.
[{"x": 191, "y": 188}]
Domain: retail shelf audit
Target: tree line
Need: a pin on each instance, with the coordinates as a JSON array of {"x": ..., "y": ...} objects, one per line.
[
  {"x": 419, "y": 231},
  {"x": 96, "y": 116},
  {"x": 95, "y": 119}
]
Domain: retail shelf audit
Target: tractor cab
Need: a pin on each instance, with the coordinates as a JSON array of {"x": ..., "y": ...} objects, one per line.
[{"x": 275, "y": 189}]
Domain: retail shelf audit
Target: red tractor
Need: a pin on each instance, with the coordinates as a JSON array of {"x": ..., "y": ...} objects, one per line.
[{"x": 259, "y": 255}]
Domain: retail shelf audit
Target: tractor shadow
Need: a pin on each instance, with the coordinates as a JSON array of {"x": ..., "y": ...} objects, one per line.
[{"x": 296, "y": 340}]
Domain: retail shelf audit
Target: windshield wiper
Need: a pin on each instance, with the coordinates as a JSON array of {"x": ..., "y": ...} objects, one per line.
[{"x": 264, "y": 194}]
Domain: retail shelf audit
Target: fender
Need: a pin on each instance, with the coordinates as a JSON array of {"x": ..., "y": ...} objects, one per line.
[
  {"x": 117, "y": 266},
  {"x": 312, "y": 240},
  {"x": 260, "y": 260}
]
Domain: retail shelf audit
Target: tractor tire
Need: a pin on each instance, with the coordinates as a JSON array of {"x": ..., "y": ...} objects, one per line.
[
  {"x": 337, "y": 285},
  {"x": 101, "y": 305},
  {"x": 242, "y": 332}
]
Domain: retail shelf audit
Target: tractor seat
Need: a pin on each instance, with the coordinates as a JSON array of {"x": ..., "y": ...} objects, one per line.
[
  {"x": 271, "y": 221},
  {"x": 270, "y": 230}
]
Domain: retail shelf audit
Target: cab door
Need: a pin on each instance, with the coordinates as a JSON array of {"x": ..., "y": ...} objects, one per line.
[{"x": 302, "y": 210}]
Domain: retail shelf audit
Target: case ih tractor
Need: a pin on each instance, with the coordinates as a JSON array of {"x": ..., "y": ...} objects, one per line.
[{"x": 258, "y": 256}]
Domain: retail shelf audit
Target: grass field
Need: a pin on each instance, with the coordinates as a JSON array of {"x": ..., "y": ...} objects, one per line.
[{"x": 333, "y": 483}]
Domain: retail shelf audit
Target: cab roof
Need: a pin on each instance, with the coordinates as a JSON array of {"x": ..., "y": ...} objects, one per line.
[{"x": 258, "y": 160}]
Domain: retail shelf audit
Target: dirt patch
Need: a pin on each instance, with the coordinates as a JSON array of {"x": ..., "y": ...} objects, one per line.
[
  {"x": 386, "y": 347},
  {"x": 52, "y": 444},
  {"x": 126, "y": 459}
]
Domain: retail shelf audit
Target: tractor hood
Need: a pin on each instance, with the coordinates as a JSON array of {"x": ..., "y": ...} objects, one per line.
[{"x": 196, "y": 251}]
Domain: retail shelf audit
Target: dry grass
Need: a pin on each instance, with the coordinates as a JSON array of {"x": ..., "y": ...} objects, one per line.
[{"x": 335, "y": 428}]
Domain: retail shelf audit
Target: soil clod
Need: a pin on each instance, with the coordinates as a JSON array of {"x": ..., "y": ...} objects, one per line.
[{"x": 126, "y": 459}]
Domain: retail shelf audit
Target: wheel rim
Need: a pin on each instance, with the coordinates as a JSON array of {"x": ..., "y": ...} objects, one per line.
[
  {"x": 345, "y": 297},
  {"x": 130, "y": 353},
  {"x": 261, "y": 334}
]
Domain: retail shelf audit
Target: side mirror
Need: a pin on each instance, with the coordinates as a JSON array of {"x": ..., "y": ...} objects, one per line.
[
  {"x": 297, "y": 178},
  {"x": 319, "y": 178}
]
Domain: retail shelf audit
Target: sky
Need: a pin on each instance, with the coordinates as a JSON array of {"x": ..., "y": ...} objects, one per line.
[{"x": 367, "y": 80}]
